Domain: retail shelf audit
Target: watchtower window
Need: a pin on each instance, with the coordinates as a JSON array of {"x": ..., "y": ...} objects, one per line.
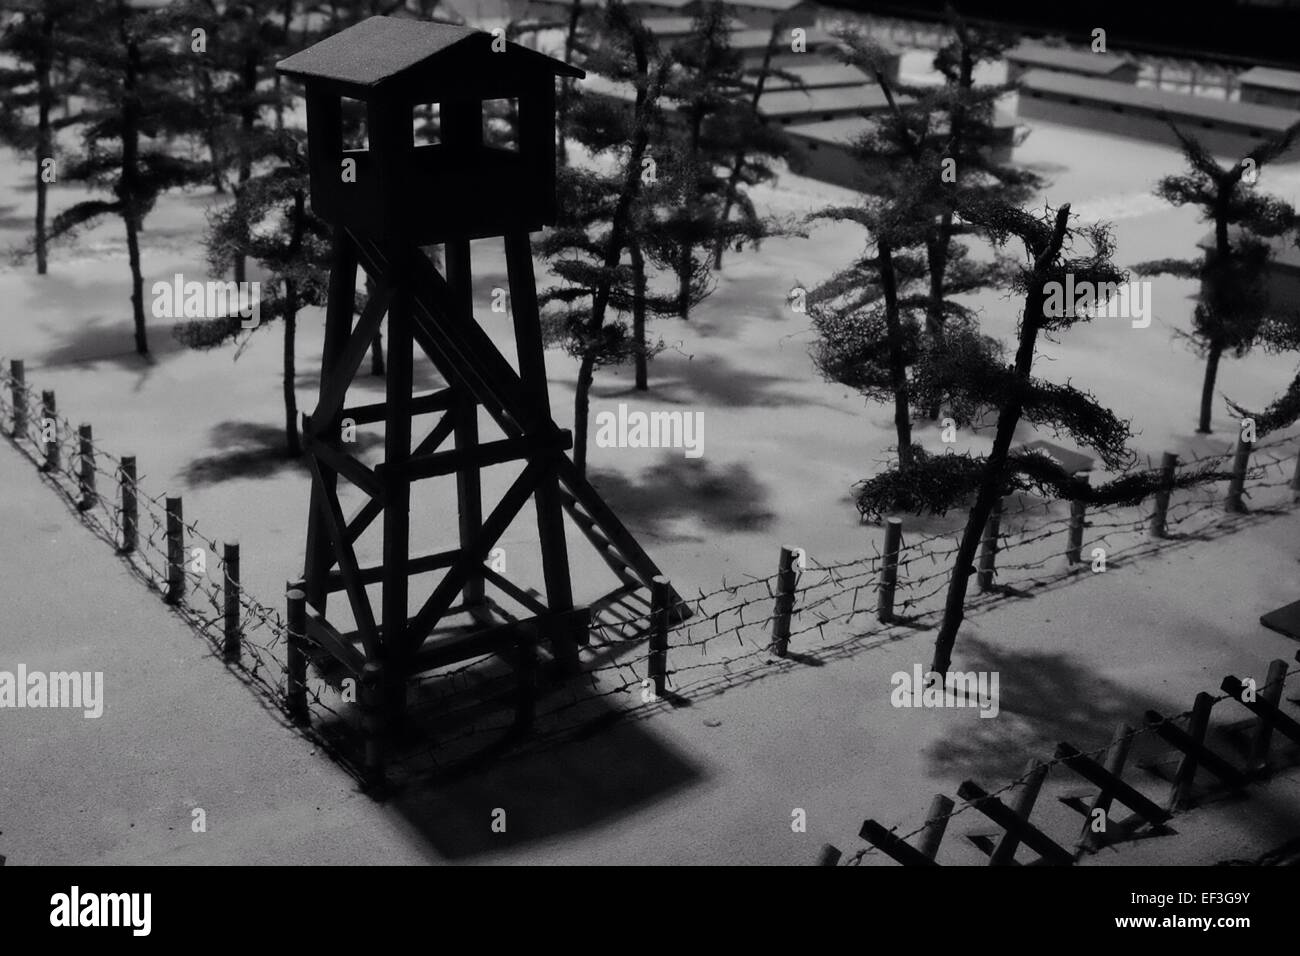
[
  {"x": 426, "y": 124},
  {"x": 501, "y": 124},
  {"x": 355, "y": 133}
]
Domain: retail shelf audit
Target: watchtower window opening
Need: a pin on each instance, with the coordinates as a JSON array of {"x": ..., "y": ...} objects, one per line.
[
  {"x": 501, "y": 124},
  {"x": 356, "y": 135},
  {"x": 426, "y": 124}
]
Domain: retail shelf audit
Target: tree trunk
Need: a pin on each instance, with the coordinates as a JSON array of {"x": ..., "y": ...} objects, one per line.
[
  {"x": 638, "y": 316},
  {"x": 130, "y": 119},
  {"x": 897, "y": 366},
  {"x": 936, "y": 252},
  {"x": 44, "y": 144},
  {"x": 291, "y": 444},
  {"x": 994, "y": 476},
  {"x": 581, "y": 409},
  {"x": 1207, "y": 387}
]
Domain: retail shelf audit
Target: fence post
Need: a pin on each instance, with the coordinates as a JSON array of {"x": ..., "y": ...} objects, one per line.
[
  {"x": 1116, "y": 756},
  {"x": 1004, "y": 854},
  {"x": 371, "y": 691},
  {"x": 785, "y": 582},
  {"x": 175, "y": 552},
  {"x": 989, "y": 548},
  {"x": 1160, "y": 516},
  {"x": 129, "y": 508},
  {"x": 936, "y": 822},
  {"x": 889, "y": 570},
  {"x": 1270, "y": 693},
  {"x": 18, "y": 396},
  {"x": 49, "y": 419},
  {"x": 1074, "y": 534},
  {"x": 230, "y": 600},
  {"x": 1237, "y": 485},
  {"x": 660, "y": 607},
  {"x": 1185, "y": 775},
  {"x": 828, "y": 855},
  {"x": 296, "y": 682},
  {"x": 1295, "y": 480},
  {"x": 87, "y": 455}
]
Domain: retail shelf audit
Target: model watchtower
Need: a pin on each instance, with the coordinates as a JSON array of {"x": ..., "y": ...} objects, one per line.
[{"x": 386, "y": 201}]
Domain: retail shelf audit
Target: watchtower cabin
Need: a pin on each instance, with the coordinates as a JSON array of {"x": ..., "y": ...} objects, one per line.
[{"x": 387, "y": 202}]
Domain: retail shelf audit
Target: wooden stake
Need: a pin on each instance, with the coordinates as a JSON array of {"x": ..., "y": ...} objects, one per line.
[
  {"x": 661, "y": 606},
  {"x": 936, "y": 823},
  {"x": 1237, "y": 485},
  {"x": 129, "y": 508},
  {"x": 1271, "y": 694},
  {"x": 50, "y": 420},
  {"x": 1032, "y": 837},
  {"x": 828, "y": 855},
  {"x": 1074, "y": 534},
  {"x": 1160, "y": 514},
  {"x": 1116, "y": 756},
  {"x": 86, "y": 453},
  {"x": 18, "y": 396},
  {"x": 892, "y": 845},
  {"x": 296, "y": 682},
  {"x": 175, "y": 552},
  {"x": 230, "y": 600},
  {"x": 989, "y": 548},
  {"x": 1004, "y": 854},
  {"x": 785, "y": 584},
  {"x": 889, "y": 570}
]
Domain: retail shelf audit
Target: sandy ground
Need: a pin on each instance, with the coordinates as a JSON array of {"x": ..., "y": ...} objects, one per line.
[
  {"x": 782, "y": 449},
  {"x": 715, "y": 782}
]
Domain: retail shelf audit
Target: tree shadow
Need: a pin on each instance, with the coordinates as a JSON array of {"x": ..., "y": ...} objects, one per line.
[
  {"x": 251, "y": 450},
  {"x": 99, "y": 340},
  {"x": 719, "y": 499},
  {"x": 1045, "y": 697},
  {"x": 711, "y": 380}
]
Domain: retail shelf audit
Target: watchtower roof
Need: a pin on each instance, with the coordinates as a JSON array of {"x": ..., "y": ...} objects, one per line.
[{"x": 379, "y": 49}]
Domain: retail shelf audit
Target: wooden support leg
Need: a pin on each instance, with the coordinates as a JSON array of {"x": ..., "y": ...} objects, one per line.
[
  {"x": 550, "y": 513},
  {"x": 397, "y": 504},
  {"x": 338, "y": 326},
  {"x": 469, "y": 492}
]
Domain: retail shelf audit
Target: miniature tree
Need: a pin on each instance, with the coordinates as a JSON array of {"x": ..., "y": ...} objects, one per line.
[
  {"x": 1233, "y": 310},
  {"x": 138, "y": 72},
  {"x": 34, "y": 41},
  {"x": 1050, "y": 245},
  {"x": 270, "y": 221},
  {"x": 948, "y": 132},
  {"x": 605, "y": 213}
]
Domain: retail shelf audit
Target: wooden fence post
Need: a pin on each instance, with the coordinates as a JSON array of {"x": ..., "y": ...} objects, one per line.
[
  {"x": 296, "y": 657},
  {"x": 175, "y": 552},
  {"x": 371, "y": 691},
  {"x": 18, "y": 396},
  {"x": 130, "y": 514},
  {"x": 1237, "y": 484},
  {"x": 989, "y": 548},
  {"x": 87, "y": 471},
  {"x": 828, "y": 855},
  {"x": 1295, "y": 480},
  {"x": 1116, "y": 756},
  {"x": 50, "y": 423},
  {"x": 889, "y": 570},
  {"x": 936, "y": 823},
  {"x": 785, "y": 583},
  {"x": 1004, "y": 854},
  {"x": 1074, "y": 534},
  {"x": 1270, "y": 693},
  {"x": 660, "y": 607},
  {"x": 230, "y": 600},
  {"x": 1160, "y": 515}
]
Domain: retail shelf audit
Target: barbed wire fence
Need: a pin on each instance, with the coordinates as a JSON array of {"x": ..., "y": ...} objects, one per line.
[{"x": 641, "y": 656}]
